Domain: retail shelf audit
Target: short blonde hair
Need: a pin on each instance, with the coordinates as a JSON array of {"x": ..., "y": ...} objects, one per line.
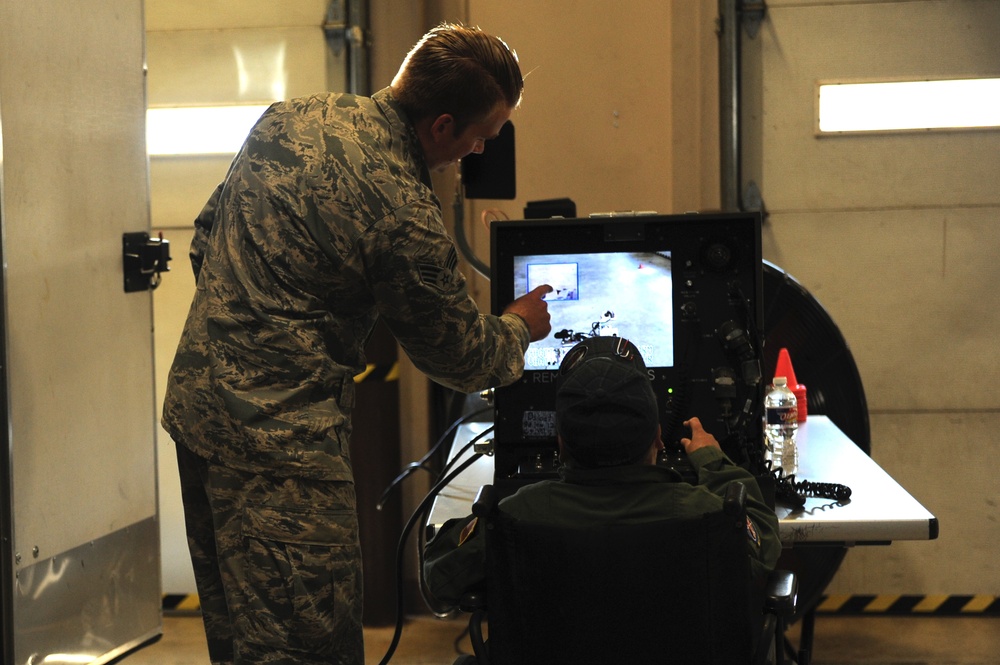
[{"x": 460, "y": 71}]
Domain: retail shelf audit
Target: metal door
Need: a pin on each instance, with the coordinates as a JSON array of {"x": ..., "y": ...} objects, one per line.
[{"x": 80, "y": 541}]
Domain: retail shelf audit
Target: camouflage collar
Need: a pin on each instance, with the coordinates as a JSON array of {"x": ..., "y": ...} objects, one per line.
[{"x": 402, "y": 126}]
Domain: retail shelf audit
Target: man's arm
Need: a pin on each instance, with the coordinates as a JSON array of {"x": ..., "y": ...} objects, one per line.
[
  {"x": 412, "y": 267},
  {"x": 534, "y": 311},
  {"x": 715, "y": 472},
  {"x": 202, "y": 229}
]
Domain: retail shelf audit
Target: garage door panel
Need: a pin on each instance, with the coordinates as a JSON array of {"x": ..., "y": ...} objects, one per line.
[
  {"x": 908, "y": 290},
  {"x": 801, "y": 46}
]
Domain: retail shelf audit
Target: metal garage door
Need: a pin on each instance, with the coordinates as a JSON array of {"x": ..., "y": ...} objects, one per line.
[
  {"x": 896, "y": 234},
  {"x": 80, "y": 540}
]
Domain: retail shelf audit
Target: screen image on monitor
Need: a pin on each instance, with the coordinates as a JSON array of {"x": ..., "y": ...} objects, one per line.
[
  {"x": 608, "y": 294},
  {"x": 685, "y": 289}
]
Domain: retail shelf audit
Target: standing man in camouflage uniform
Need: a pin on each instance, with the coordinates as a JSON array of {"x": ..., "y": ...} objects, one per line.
[{"x": 325, "y": 223}]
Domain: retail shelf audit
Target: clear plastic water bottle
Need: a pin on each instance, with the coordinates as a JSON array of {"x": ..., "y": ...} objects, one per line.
[{"x": 780, "y": 426}]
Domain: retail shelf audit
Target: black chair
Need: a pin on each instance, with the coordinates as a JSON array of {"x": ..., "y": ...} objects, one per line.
[{"x": 671, "y": 591}]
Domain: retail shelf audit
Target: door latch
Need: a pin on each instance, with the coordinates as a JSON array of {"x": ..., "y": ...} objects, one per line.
[{"x": 143, "y": 260}]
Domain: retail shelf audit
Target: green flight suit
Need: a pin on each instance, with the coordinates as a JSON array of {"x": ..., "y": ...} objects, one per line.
[{"x": 455, "y": 558}]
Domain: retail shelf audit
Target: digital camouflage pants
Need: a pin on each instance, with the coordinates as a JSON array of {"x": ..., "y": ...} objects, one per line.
[{"x": 277, "y": 563}]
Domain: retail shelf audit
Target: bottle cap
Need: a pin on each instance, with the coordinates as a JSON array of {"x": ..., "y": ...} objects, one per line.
[
  {"x": 785, "y": 368},
  {"x": 780, "y": 381}
]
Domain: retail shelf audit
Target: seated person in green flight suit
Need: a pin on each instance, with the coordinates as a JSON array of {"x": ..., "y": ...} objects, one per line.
[{"x": 609, "y": 437}]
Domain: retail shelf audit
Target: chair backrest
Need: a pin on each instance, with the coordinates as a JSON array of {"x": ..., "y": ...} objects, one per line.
[{"x": 672, "y": 591}]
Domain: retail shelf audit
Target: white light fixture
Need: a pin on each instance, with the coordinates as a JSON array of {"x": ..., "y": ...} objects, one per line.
[
  {"x": 200, "y": 130},
  {"x": 68, "y": 659},
  {"x": 909, "y": 105}
]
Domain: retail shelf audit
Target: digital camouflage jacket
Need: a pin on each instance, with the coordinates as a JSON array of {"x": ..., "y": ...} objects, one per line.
[{"x": 326, "y": 222}]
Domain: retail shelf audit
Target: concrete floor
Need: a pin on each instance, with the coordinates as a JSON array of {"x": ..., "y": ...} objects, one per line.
[{"x": 838, "y": 641}]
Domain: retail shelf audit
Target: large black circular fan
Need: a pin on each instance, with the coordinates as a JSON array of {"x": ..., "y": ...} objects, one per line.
[{"x": 794, "y": 319}]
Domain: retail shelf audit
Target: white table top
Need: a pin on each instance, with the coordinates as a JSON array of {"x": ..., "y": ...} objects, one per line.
[
  {"x": 456, "y": 499},
  {"x": 879, "y": 511}
]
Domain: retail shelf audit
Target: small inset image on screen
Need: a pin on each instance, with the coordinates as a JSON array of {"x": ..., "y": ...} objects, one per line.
[
  {"x": 564, "y": 278},
  {"x": 621, "y": 294}
]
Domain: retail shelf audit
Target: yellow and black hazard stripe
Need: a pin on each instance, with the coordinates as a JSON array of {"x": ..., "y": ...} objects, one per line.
[
  {"x": 378, "y": 373},
  {"x": 903, "y": 605},
  {"x": 181, "y": 603},
  {"x": 833, "y": 605}
]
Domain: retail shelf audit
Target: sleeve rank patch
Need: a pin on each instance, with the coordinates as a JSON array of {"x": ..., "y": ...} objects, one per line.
[
  {"x": 438, "y": 277},
  {"x": 752, "y": 532},
  {"x": 469, "y": 529}
]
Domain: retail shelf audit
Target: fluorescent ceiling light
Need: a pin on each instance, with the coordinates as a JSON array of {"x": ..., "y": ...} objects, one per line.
[
  {"x": 909, "y": 105},
  {"x": 199, "y": 130}
]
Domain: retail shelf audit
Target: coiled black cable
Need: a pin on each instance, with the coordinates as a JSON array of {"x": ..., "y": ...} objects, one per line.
[
  {"x": 794, "y": 492},
  {"x": 418, "y": 514},
  {"x": 835, "y": 491},
  {"x": 413, "y": 467}
]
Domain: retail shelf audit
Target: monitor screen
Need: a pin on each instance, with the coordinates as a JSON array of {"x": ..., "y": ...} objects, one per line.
[
  {"x": 685, "y": 289},
  {"x": 607, "y": 294}
]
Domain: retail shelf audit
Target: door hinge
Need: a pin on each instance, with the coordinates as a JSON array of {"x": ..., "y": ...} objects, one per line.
[
  {"x": 338, "y": 29},
  {"x": 753, "y": 12},
  {"x": 143, "y": 260},
  {"x": 753, "y": 200}
]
